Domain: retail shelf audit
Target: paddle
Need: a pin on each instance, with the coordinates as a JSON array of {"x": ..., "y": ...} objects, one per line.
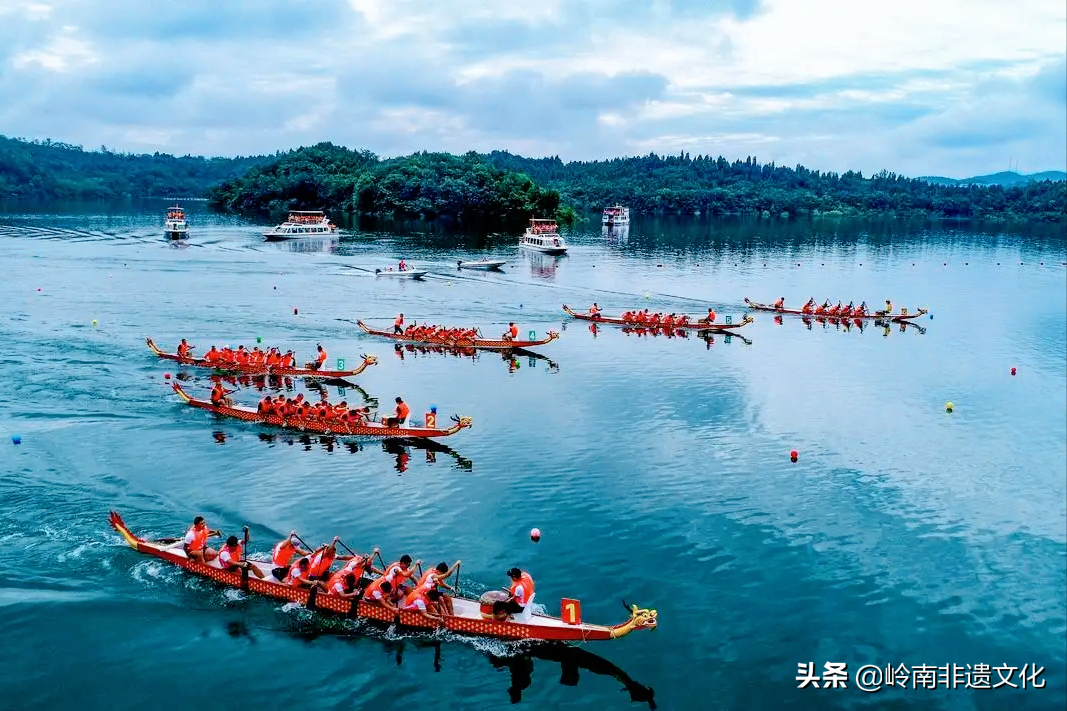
[
  {"x": 345, "y": 546},
  {"x": 244, "y": 548}
]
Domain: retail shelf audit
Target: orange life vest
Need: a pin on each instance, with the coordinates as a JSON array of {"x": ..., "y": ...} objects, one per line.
[
  {"x": 527, "y": 584},
  {"x": 321, "y": 561},
  {"x": 322, "y": 357},
  {"x": 375, "y": 587},
  {"x": 228, "y": 556},
  {"x": 411, "y": 597},
  {"x": 294, "y": 576},
  {"x": 199, "y": 538},
  {"x": 398, "y": 321},
  {"x": 402, "y": 410},
  {"x": 282, "y": 553},
  {"x": 428, "y": 581},
  {"x": 514, "y": 331}
]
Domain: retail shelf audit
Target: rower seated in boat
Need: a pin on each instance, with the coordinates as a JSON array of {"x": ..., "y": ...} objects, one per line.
[
  {"x": 319, "y": 359},
  {"x": 184, "y": 348},
  {"x": 594, "y": 310},
  {"x": 780, "y": 303},
  {"x": 425, "y": 602},
  {"x": 380, "y": 592},
  {"x": 710, "y": 318},
  {"x": 231, "y": 560},
  {"x": 434, "y": 579},
  {"x": 809, "y": 307},
  {"x": 212, "y": 356},
  {"x": 861, "y": 310},
  {"x": 266, "y": 406},
  {"x": 398, "y": 324},
  {"x": 298, "y": 576},
  {"x": 282, "y": 554},
  {"x": 683, "y": 320},
  {"x": 400, "y": 416},
  {"x": 399, "y": 575},
  {"x": 512, "y": 333},
  {"x": 218, "y": 395},
  {"x": 521, "y": 592},
  {"x": 195, "y": 542},
  {"x": 321, "y": 559},
  {"x": 344, "y": 585},
  {"x": 888, "y": 309}
]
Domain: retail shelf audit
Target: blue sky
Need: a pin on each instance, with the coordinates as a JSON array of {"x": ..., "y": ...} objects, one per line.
[{"x": 946, "y": 87}]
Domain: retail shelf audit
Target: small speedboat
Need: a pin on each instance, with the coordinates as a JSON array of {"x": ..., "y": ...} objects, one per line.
[
  {"x": 483, "y": 264},
  {"x": 175, "y": 226},
  {"x": 401, "y": 273}
]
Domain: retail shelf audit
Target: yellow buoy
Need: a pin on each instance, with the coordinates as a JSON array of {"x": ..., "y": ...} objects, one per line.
[
  {"x": 948, "y": 407},
  {"x": 94, "y": 321}
]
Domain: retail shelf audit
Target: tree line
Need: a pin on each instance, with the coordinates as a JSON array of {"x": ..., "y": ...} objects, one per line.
[{"x": 500, "y": 189}]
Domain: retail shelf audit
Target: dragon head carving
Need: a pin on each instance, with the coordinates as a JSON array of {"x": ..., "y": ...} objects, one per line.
[
  {"x": 369, "y": 359},
  {"x": 463, "y": 421},
  {"x": 642, "y": 618}
]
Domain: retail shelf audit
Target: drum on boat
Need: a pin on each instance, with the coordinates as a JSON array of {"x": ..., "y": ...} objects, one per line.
[{"x": 488, "y": 598}]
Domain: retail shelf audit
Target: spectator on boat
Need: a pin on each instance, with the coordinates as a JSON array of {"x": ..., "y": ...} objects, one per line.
[
  {"x": 283, "y": 553},
  {"x": 521, "y": 591},
  {"x": 195, "y": 542},
  {"x": 425, "y": 602},
  {"x": 401, "y": 415},
  {"x": 231, "y": 561},
  {"x": 398, "y": 325}
]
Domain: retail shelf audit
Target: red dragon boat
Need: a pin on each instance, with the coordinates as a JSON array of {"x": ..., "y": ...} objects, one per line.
[
  {"x": 354, "y": 429},
  {"x": 471, "y": 616},
  {"x": 368, "y": 360},
  {"x": 483, "y": 343},
  {"x": 902, "y": 316},
  {"x": 696, "y": 325}
]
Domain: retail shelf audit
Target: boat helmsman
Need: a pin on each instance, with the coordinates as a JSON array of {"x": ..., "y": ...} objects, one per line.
[{"x": 521, "y": 591}]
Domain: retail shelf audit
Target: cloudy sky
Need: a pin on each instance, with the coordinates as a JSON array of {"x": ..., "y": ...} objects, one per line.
[{"x": 947, "y": 87}]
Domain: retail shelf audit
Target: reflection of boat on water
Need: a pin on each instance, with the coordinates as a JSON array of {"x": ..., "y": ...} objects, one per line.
[
  {"x": 619, "y": 234},
  {"x": 706, "y": 335},
  {"x": 510, "y": 356},
  {"x": 305, "y": 245},
  {"x": 543, "y": 266},
  {"x": 848, "y": 325},
  {"x": 302, "y": 223},
  {"x": 399, "y": 449},
  {"x": 572, "y": 661}
]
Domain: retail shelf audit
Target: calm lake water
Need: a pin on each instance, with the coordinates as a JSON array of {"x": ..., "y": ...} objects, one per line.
[{"x": 657, "y": 468}]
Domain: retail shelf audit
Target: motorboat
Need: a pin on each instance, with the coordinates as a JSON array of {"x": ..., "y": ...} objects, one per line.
[
  {"x": 302, "y": 223},
  {"x": 482, "y": 264},
  {"x": 615, "y": 215},
  {"x": 175, "y": 226},
  {"x": 543, "y": 236}
]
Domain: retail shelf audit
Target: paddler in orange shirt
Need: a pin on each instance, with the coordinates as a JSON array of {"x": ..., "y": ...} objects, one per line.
[
  {"x": 195, "y": 542},
  {"x": 283, "y": 553},
  {"x": 400, "y": 416},
  {"x": 231, "y": 560},
  {"x": 184, "y": 348},
  {"x": 512, "y": 333},
  {"x": 398, "y": 325}
]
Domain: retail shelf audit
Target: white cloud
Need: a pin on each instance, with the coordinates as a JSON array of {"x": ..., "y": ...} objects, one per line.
[{"x": 916, "y": 86}]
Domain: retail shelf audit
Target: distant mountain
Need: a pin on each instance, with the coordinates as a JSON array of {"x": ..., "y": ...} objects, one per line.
[{"x": 1005, "y": 178}]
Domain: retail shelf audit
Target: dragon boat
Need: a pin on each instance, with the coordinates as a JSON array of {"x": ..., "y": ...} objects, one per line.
[
  {"x": 902, "y": 316},
  {"x": 471, "y": 618},
  {"x": 483, "y": 343},
  {"x": 368, "y": 360},
  {"x": 697, "y": 325},
  {"x": 354, "y": 429}
]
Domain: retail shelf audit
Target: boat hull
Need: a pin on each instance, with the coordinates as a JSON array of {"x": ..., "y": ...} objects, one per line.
[
  {"x": 797, "y": 312},
  {"x": 305, "y": 373},
  {"x": 406, "y": 274},
  {"x": 694, "y": 326},
  {"x": 467, "y": 621},
  {"x": 484, "y": 343},
  {"x": 486, "y": 265},
  {"x": 544, "y": 250},
  {"x": 341, "y": 429}
]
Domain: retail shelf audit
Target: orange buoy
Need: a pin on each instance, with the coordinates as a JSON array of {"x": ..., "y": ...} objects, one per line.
[
  {"x": 166, "y": 376},
  {"x": 794, "y": 455},
  {"x": 535, "y": 534}
]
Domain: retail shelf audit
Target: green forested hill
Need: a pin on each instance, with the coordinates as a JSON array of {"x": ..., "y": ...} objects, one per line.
[{"x": 48, "y": 170}]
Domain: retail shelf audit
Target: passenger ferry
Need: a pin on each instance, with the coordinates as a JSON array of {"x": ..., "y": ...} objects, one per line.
[
  {"x": 543, "y": 236},
  {"x": 175, "y": 226},
  {"x": 617, "y": 215},
  {"x": 302, "y": 223}
]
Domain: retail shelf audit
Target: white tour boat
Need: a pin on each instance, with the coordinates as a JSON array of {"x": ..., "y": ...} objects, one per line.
[
  {"x": 302, "y": 223},
  {"x": 175, "y": 226},
  {"x": 481, "y": 264},
  {"x": 543, "y": 236},
  {"x": 616, "y": 215}
]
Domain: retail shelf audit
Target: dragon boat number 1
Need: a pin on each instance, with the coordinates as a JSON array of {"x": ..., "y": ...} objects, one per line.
[{"x": 571, "y": 611}]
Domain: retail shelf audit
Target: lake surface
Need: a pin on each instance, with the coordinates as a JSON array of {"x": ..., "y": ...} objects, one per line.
[{"x": 657, "y": 468}]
